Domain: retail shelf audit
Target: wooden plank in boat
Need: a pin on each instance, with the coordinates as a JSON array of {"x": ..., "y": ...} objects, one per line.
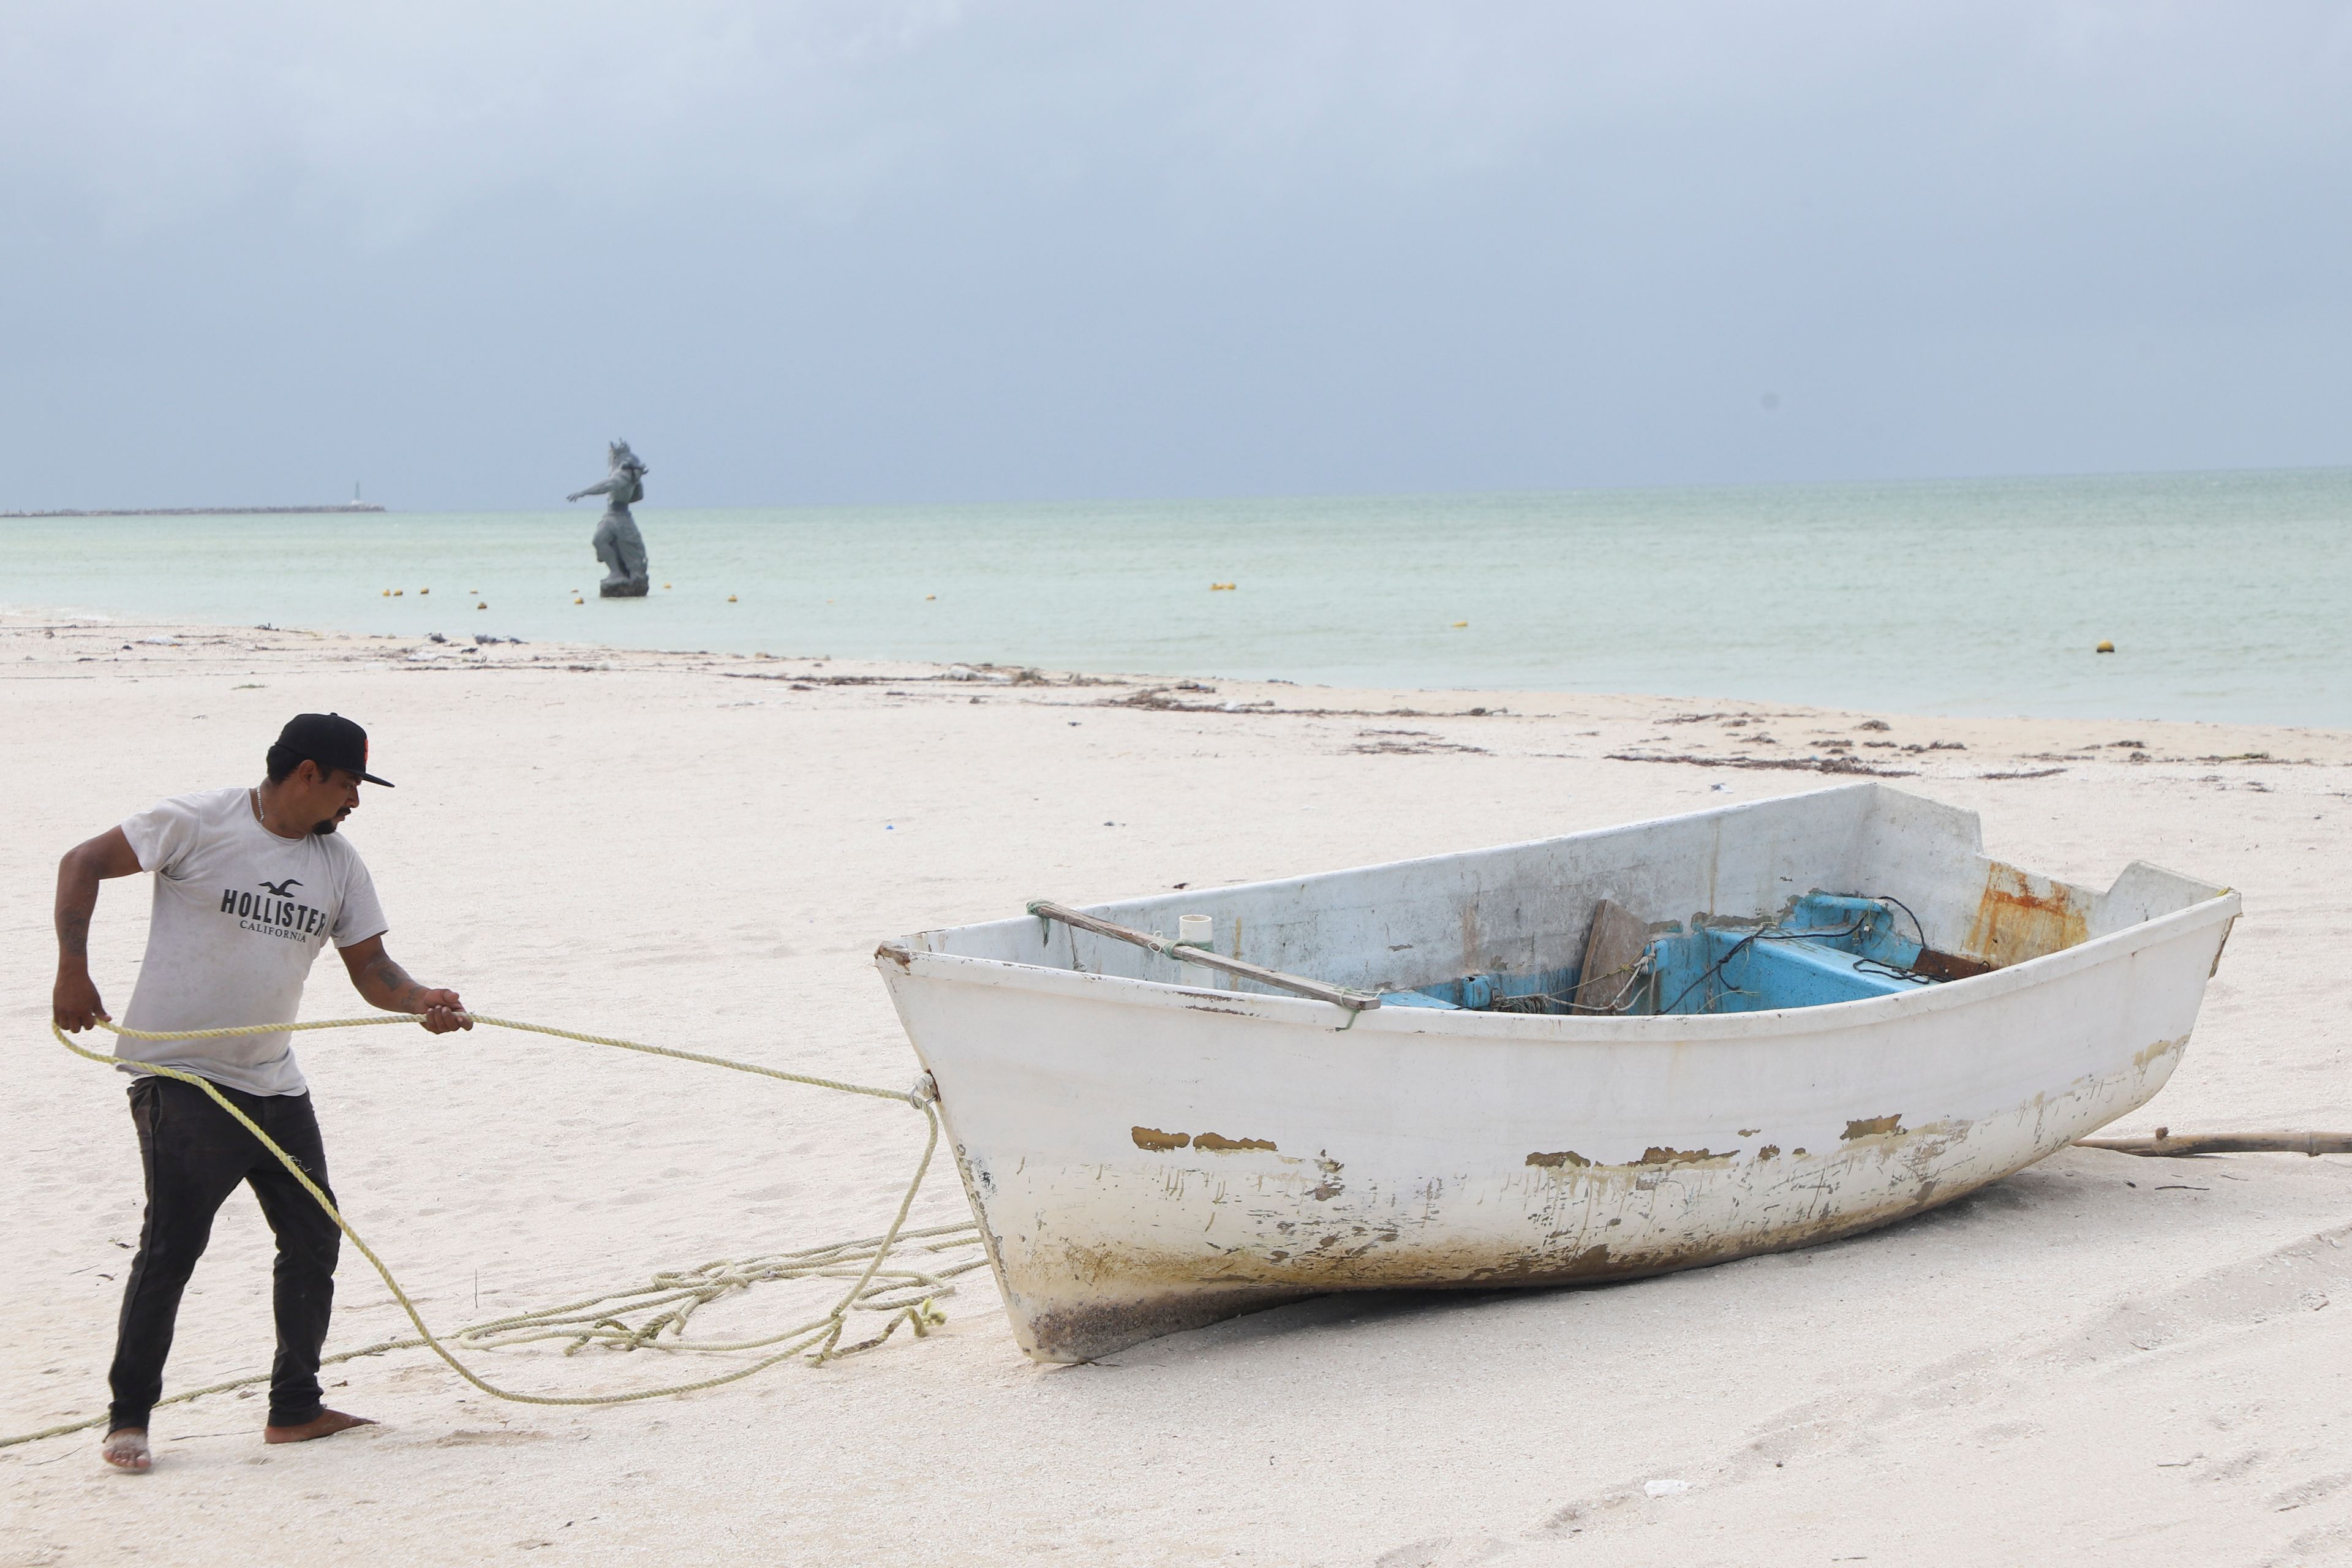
[{"x": 1612, "y": 951}]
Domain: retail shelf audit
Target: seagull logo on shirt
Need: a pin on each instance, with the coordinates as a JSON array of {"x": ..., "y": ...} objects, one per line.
[{"x": 278, "y": 890}]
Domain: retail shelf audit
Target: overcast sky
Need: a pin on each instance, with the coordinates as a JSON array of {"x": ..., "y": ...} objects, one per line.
[{"x": 884, "y": 251}]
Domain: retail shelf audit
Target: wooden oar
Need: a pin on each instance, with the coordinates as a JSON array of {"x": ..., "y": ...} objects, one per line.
[
  {"x": 2168, "y": 1142},
  {"x": 1338, "y": 995}
]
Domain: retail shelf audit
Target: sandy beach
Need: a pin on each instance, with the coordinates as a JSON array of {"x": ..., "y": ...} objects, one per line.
[{"x": 2101, "y": 1359}]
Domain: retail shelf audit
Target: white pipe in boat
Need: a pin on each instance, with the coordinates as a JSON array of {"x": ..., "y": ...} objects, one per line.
[{"x": 1196, "y": 930}]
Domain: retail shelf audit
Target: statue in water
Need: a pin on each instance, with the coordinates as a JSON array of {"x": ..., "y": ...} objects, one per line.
[{"x": 619, "y": 545}]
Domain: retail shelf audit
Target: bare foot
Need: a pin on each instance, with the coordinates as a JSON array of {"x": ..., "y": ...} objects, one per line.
[
  {"x": 325, "y": 1423},
  {"x": 126, "y": 1449}
]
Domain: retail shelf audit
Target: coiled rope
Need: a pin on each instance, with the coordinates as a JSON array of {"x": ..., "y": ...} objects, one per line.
[{"x": 907, "y": 1293}]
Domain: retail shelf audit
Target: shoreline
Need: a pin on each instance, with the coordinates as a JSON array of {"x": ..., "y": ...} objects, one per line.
[
  {"x": 203, "y": 511},
  {"x": 408, "y": 649},
  {"x": 702, "y": 849},
  {"x": 1978, "y": 603}
]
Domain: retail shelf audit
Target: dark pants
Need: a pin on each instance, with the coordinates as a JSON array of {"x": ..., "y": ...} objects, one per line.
[{"x": 195, "y": 1154}]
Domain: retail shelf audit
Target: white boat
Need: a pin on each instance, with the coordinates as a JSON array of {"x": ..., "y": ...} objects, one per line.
[{"x": 1592, "y": 1057}]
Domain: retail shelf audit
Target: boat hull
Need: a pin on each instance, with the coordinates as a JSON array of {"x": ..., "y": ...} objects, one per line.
[{"x": 1147, "y": 1157}]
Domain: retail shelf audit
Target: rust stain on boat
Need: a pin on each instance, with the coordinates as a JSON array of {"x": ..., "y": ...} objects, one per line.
[
  {"x": 1948, "y": 965},
  {"x": 1654, "y": 1155},
  {"x": 1161, "y": 1143},
  {"x": 1330, "y": 1186},
  {"x": 1151, "y": 1290},
  {"x": 2157, "y": 1048},
  {"x": 1076, "y": 1300},
  {"x": 1870, "y": 1127},
  {"x": 2021, "y": 916},
  {"x": 2225, "y": 941}
]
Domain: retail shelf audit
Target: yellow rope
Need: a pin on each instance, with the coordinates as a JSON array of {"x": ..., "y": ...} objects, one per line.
[{"x": 908, "y": 1294}]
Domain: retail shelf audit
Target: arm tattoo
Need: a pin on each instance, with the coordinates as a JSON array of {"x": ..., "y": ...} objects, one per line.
[
  {"x": 77, "y": 900},
  {"x": 399, "y": 992}
]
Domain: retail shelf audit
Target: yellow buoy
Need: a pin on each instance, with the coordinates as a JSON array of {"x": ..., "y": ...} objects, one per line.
[
  {"x": 483, "y": 606},
  {"x": 1222, "y": 587},
  {"x": 387, "y": 592},
  {"x": 2105, "y": 647},
  {"x": 731, "y": 598},
  {"x": 664, "y": 587},
  {"x": 399, "y": 593},
  {"x": 928, "y": 597},
  {"x": 1459, "y": 624},
  {"x": 579, "y": 601},
  {"x": 422, "y": 591}
]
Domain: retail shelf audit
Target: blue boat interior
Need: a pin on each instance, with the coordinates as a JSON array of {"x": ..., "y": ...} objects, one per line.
[{"x": 1828, "y": 947}]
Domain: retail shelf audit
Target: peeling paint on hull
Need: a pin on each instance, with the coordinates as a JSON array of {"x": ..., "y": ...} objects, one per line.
[
  {"x": 1416, "y": 1149},
  {"x": 1188, "y": 1247}
]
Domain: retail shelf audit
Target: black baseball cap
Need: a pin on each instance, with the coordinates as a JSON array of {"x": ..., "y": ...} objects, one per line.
[{"x": 331, "y": 741}]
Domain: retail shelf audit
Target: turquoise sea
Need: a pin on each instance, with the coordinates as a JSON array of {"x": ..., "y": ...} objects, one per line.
[{"x": 2227, "y": 595}]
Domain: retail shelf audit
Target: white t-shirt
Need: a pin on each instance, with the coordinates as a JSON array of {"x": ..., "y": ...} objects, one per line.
[{"x": 239, "y": 914}]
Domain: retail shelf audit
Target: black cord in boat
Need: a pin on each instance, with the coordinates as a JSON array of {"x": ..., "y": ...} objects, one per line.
[
  {"x": 1915, "y": 926},
  {"x": 1761, "y": 934},
  {"x": 1535, "y": 1001},
  {"x": 1899, "y": 971}
]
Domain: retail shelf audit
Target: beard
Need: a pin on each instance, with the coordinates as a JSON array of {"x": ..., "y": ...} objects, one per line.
[{"x": 322, "y": 829}]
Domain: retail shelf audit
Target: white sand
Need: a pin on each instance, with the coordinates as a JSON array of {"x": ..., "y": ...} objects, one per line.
[{"x": 2068, "y": 1366}]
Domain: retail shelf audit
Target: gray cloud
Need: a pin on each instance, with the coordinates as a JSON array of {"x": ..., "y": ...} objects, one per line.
[{"x": 828, "y": 251}]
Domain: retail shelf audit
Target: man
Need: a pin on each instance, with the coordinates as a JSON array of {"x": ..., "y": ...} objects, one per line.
[{"x": 249, "y": 884}]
